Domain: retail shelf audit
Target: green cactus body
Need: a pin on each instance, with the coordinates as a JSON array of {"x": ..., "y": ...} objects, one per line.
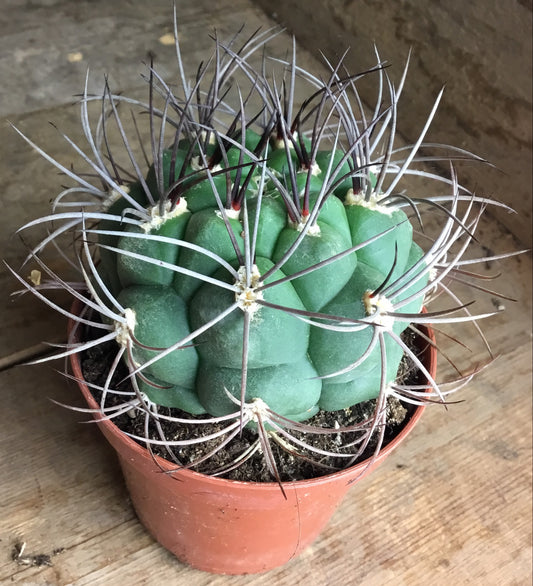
[
  {"x": 181, "y": 156},
  {"x": 293, "y": 367},
  {"x": 366, "y": 381},
  {"x": 288, "y": 389},
  {"x": 306, "y": 180},
  {"x": 418, "y": 281},
  {"x": 135, "y": 271},
  {"x": 333, "y": 351},
  {"x": 193, "y": 181},
  {"x": 275, "y": 337},
  {"x": 323, "y": 160},
  {"x": 332, "y": 212},
  {"x": 316, "y": 288},
  {"x": 160, "y": 321},
  {"x": 366, "y": 222},
  {"x": 108, "y": 258},
  {"x": 167, "y": 395},
  {"x": 206, "y": 228},
  {"x": 277, "y": 159},
  {"x": 272, "y": 220}
]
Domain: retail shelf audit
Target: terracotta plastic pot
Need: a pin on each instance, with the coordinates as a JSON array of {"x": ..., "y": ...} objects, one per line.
[{"x": 230, "y": 527}]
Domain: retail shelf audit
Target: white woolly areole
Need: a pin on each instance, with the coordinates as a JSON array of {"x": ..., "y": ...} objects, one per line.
[
  {"x": 114, "y": 195},
  {"x": 379, "y": 306},
  {"x": 230, "y": 213},
  {"x": 257, "y": 409},
  {"x": 246, "y": 295},
  {"x": 197, "y": 164},
  {"x": 279, "y": 143},
  {"x": 157, "y": 219},
  {"x": 314, "y": 229},
  {"x": 358, "y": 199},
  {"x": 212, "y": 138},
  {"x": 124, "y": 329},
  {"x": 315, "y": 169},
  {"x": 432, "y": 276}
]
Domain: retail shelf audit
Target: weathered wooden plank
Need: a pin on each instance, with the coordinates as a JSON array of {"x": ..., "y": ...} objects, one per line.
[
  {"x": 46, "y": 47},
  {"x": 481, "y": 53},
  {"x": 52, "y": 468}
]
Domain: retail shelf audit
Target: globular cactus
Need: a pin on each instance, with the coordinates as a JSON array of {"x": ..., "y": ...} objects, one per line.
[
  {"x": 263, "y": 267},
  {"x": 261, "y": 260}
]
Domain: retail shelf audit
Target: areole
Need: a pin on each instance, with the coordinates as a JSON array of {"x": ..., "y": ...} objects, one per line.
[{"x": 229, "y": 527}]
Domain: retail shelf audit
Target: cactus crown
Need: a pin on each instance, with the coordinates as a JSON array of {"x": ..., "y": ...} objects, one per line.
[{"x": 260, "y": 264}]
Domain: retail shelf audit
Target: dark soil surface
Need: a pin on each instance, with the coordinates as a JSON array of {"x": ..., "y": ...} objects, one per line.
[{"x": 295, "y": 464}]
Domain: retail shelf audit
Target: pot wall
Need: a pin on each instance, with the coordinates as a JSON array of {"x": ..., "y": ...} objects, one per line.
[{"x": 229, "y": 527}]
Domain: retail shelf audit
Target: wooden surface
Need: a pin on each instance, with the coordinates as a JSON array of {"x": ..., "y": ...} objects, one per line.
[
  {"x": 452, "y": 505},
  {"x": 480, "y": 51}
]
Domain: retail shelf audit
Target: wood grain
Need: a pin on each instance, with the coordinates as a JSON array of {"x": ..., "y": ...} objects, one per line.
[{"x": 480, "y": 52}]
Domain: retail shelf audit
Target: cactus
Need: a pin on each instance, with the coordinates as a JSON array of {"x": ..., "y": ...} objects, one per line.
[{"x": 263, "y": 267}]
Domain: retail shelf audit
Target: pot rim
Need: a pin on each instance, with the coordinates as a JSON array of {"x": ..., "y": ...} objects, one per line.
[{"x": 359, "y": 469}]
